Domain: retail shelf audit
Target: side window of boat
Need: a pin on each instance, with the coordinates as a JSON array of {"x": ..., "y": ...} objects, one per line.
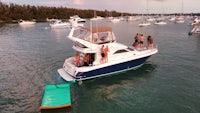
[
  {"x": 120, "y": 51},
  {"x": 103, "y": 36},
  {"x": 131, "y": 49}
]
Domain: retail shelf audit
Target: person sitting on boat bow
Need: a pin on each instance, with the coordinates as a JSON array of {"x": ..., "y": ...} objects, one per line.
[{"x": 136, "y": 44}]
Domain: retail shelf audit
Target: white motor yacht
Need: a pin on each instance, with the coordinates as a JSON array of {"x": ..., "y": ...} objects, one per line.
[
  {"x": 179, "y": 20},
  {"x": 77, "y": 21},
  {"x": 195, "y": 29},
  {"x": 160, "y": 22},
  {"x": 144, "y": 24},
  {"x": 24, "y": 22},
  {"x": 89, "y": 42},
  {"x": 56, "y": 23}
]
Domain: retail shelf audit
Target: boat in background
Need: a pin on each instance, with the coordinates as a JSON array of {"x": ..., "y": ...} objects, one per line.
[
  {"x": 172, "y": 19},
  {"x": 160, "y": 22},
  {"x": 195, "y": 29},
  {"x": 23, "y": 22},
  {"x": 92, "y": 63},
  {"x": 77, "y": 21},
  {"x": 56, "y": 23},
  {"x": 196, "y": 21},
  {"x": 115, "y": 20},
  {"x": 179, "y": 20},
  {"x": 133, "y": 18},
  {"x": 150, "y": 19},
  {"x": 144, "y": 24},
  {"x": 95, "y": 18}
]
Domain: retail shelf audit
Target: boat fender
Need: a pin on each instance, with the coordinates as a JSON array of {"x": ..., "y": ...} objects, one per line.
[{"x": 80, "y": 82}]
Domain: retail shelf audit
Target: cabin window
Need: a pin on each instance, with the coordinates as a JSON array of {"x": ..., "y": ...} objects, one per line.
[
  {"x": 80, "y": 33},
  {"x": 88, "y": 59},
  {"x": 120, "y": 51},
  {"x": 79, "y": 45},
  {"x": 131, "y": 49},
  {"x": 103, "y": 36}
]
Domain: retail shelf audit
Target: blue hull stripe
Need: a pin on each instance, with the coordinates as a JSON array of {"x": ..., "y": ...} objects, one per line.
[{"x": 111, "y": 69}]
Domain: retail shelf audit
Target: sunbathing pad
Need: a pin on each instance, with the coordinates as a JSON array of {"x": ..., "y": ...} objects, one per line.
[{"x": 56, "y": 96}]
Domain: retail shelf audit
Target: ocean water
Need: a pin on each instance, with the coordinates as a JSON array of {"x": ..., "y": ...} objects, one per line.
[{"x": 169, "y": 82}]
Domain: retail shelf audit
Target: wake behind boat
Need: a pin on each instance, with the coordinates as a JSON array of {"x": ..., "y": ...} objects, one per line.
[{"x": 90, "y": 62}]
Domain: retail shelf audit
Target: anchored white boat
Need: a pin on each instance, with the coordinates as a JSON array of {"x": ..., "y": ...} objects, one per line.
[
  {"x": 23, "y": 22},
  {"x": 77, "y": 21},
  {"x": 160, "y": 22},
  {"x": 179, "y": 20},
  {"x": 172, "y": 18},
  {"x": 55, "y": 23},
  {"x": 151, "y": 19},
  {"x": 89, "y": 42},
  {"x": 195, "y": 29},
  {"x": 96, "y": 18},
  {"x": 195, "y": 22},
  {"x": 133, "y": 18},
  {"x": 116, "y": 20},
  {"x": 144, "y": 24}
]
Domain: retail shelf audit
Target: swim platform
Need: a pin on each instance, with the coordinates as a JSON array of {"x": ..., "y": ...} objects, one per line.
[{"x": 56, "y": 96}]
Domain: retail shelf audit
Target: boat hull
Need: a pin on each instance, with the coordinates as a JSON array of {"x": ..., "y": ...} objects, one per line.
[
  {"x": 27, "y": 23},
  {"x": 144, "y": 25},
  {"x": 60, "y": 26},
  {"x": 107, "y": 70},
  {"x": 111, "y": 69}
]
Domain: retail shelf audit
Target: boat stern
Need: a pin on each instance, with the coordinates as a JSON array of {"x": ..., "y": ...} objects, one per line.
[{"x": 65, "y": 75}]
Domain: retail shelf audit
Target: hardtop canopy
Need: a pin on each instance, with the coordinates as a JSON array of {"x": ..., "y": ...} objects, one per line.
[{"x": 99, "y": 29}]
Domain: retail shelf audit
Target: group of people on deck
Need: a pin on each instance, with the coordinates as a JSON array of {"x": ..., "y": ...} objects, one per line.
[
  {"x": 86, "y": 59},
  {"x": 104, "y": 54},
  {"x": 89, "y": 58},
  {"x": 139, "y": 41}
]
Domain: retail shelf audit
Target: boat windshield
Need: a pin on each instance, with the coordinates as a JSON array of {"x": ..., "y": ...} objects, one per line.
[
  {"x": 97, "y": 36},
  {"x": 81, "y": 33}
]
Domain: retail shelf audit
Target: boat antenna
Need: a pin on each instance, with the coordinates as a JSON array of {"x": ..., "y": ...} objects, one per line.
[{"x": 91, "y": 31}]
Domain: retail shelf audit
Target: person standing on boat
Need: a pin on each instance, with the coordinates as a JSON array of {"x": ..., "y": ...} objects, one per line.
[
  {"x": 77, "y": 57},
  {"x": 86, "y": 59},
  {"x": 149, "y": 42},
  {"x": 106, "y": 50},
  {"x": 141, "y": 40},
  {"x": 102, "y": 55},
  {"x": 136, "y": 43},
  {"x": 136, "y": 37}
]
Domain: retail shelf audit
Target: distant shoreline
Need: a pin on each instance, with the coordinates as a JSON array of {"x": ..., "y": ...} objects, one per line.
[{"x": 11, "y": 13}]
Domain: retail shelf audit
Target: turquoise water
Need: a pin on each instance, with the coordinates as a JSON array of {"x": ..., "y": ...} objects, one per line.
[{"x": 169, "y": 82}]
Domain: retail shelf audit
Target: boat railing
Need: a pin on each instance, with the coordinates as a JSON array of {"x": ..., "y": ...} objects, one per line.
[{"x": 152, "y": 47}]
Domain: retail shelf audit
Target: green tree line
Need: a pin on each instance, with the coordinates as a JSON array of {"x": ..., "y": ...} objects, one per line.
[{"x": 13, "y": 12}]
